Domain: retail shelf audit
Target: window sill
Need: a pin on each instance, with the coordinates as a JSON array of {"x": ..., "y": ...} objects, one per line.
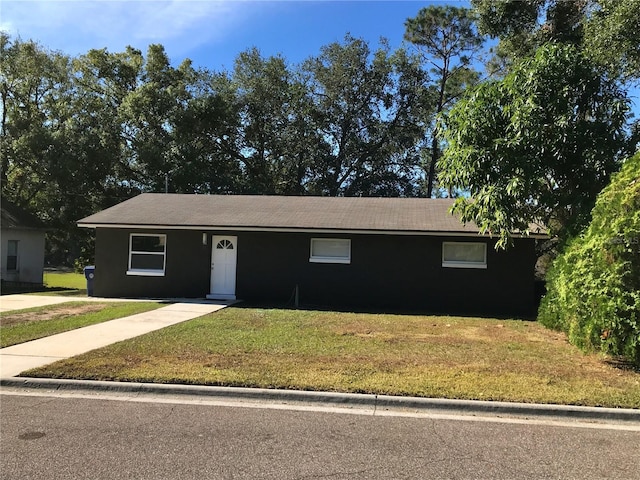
[
  {"x": 146, "y": 273},
  {"x": 329, "y": 260},
  {"x": 482, "y": 266}
]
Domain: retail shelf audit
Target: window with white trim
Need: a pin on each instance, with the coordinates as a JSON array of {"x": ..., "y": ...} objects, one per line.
[
  {"x": 330, "y": 250},
  {"x": 464, "y": 254},
  {"x": 147, "y": 254}
]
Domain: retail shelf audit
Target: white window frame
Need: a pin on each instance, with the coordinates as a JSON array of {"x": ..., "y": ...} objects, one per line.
[
  {"x": 147, "y": 272},
  {"x": 464, "y": 264},
  {"x": 320, "y": 259}
]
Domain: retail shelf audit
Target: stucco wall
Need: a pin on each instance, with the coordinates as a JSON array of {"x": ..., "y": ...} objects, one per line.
[
  {"x": 386, "y": 272},
  {"x": 30, "y": 255}
]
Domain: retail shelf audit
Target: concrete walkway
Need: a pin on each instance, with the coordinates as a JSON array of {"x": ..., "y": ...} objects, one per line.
[{"x": 18, "y": 358}]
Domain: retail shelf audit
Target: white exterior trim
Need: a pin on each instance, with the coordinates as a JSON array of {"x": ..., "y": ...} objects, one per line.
[
  {"x": 324, "y": 259},
  {"x": 147, "y": 272},
  {"x": 463, "y": 264},
  {"x": 334, "y": 231}
]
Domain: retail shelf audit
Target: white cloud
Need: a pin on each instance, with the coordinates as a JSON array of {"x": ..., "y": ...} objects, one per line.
[{"x": 75, "y": 26}]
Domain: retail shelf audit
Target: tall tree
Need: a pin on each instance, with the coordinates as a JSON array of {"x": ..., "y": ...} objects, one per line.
[
  {"x": 365, "y": 128},
  {"x": 149, "y": 113},
  {"x": 102, "y": 82},
  {"x": 447, "y": 41},
  {"x": 206, "y": 138},
  {"x": 606, "y": 29},
  {"x": 34, "y": 83},
  {"x": 524, "y": 25},
  {"x": 272, "y": 101},
  {"x": 536, "y": 146}
]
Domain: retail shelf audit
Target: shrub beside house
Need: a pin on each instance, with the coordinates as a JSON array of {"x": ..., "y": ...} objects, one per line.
[{"x": 593, "y": 287}]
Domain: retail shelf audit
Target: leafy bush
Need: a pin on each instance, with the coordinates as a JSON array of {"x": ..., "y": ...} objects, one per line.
[{"x": 593, "y": 287}]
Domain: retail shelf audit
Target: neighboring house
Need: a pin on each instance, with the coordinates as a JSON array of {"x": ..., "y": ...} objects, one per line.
[
  {"x": 365, "y": 253},
  {"x": 21, "y": 246}
]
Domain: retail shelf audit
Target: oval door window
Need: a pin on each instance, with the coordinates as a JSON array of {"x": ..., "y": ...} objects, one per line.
[{"x": 225, "y": 245}]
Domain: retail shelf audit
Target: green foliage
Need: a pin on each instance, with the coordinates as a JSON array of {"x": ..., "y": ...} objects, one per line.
[
  {"x": 593, "y": 287},
  {"x": 537, "y": 146},
  {"x": 446, "y": 40},
  {"x": 611, "y": 37},
  {"x": 522, "y": 26},
  {"x": 605, "y": 30},
  {"x": 366, "y": 120},
  {"x": 274, "y": 130},
  {"x": 81, "y": 134}
]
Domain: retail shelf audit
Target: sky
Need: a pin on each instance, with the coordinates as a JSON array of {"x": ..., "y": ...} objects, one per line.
[{"x": 209, "y": 32}]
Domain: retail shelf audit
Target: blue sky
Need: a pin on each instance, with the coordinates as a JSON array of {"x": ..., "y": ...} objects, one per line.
[{"x": 209, "y": 32}]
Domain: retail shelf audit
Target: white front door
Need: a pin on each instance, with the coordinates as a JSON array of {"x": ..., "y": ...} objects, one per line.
[{"x": 223, "y": 267}]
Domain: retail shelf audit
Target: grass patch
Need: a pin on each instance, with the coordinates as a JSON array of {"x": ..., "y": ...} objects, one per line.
[
  {"x": 450, "y": 357},
  {"x": 69, "y": 280},
  {"x": 68, "y": 284},
  {"x": 33, "y": 323}
]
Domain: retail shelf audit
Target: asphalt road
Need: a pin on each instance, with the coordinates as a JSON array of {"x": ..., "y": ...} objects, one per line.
[{"x": 46, "y": 437}]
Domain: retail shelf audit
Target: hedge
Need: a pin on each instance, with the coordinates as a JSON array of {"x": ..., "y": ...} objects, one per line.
[{"x": 593, "y": 287}]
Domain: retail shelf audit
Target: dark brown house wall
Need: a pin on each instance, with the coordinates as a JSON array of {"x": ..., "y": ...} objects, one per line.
[
  {"x": 187, "y": 268},
  {"x": 386, "y": 271},
  {"x": 392, "y": 272}
]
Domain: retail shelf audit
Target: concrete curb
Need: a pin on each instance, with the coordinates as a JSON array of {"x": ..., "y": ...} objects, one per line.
[{"x": 345, "y": 400}]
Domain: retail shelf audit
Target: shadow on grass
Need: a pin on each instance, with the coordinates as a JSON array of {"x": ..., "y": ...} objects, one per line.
[
  {"x": 381, "y": 311},
  {"x": 65, "y": 292},
  {"x": 622, "y": 364}
]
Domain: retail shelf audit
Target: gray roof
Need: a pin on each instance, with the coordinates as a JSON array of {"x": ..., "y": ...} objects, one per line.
[
  {"x": 12, "y": 216},
  {"x": 282, "y": 213}
]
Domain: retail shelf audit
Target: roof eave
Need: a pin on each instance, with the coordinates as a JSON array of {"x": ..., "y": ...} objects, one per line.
[{"x": 319, "y": 230}]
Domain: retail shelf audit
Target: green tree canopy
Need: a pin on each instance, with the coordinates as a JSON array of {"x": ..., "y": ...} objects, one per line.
[
  {"x": 593, "y": 288},
  {"x": 536, "y": 146},
  {"x": 522, "y": 26},
  {"x": 606, "y": 30},
  {"x": 612, "y": 37},
  {"x": 366, "y": 122}
]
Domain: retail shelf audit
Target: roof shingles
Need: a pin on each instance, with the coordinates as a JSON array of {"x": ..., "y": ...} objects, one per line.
[{"x": 282, "y": 212}]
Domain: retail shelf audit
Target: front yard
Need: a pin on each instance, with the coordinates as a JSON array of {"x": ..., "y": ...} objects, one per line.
[
  {"x": 450, "y": 357},
  {"x": 30, "y": 324}
]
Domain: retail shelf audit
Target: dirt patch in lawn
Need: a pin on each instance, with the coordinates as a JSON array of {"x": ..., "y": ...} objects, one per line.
[{"x": 54, "y": 312}]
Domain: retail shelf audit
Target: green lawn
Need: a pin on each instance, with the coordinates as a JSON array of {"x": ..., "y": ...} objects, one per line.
[
  {"x": 66, "y": 280},
  {"x": 33, "y": 323},
  {"x": 450, "y": 357}
]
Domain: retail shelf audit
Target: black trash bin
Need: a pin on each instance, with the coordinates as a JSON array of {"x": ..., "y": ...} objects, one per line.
[{"x": 90, "y": 274}]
